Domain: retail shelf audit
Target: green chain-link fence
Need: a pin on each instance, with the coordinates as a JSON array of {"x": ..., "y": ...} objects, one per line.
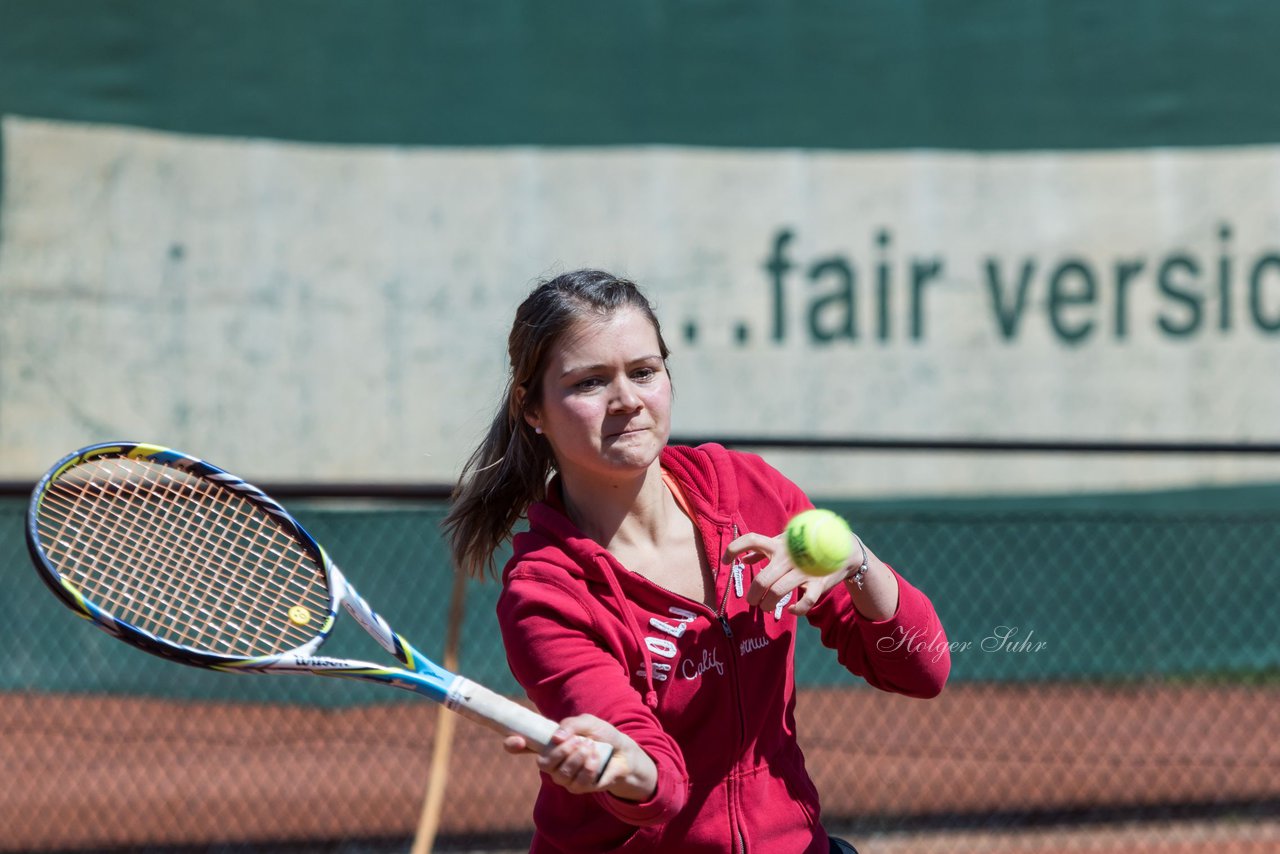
[{"x": 1115, "y": 670}]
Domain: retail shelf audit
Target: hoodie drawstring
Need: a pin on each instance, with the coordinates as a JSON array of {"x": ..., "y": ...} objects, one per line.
[{"x": 651, "y": 693}]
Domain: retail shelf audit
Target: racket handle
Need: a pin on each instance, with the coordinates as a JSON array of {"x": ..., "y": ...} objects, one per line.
[{"x": 508, "y": 717}]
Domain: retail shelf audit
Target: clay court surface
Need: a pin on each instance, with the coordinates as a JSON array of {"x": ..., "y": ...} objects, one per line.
[{"x": 93, "y": 772}]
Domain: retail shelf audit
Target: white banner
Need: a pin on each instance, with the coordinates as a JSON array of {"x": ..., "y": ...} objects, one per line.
[{"x": 297, "y": 311}]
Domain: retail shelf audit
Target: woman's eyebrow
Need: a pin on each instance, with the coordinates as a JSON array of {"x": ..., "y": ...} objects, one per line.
[{"x": 578, "y": 369}]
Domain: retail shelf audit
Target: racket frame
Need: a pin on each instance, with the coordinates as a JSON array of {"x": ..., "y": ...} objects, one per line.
[{"x": 420, "y": 674}]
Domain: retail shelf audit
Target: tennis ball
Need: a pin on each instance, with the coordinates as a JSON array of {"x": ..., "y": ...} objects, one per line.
[{"x": 819, "y": 541}]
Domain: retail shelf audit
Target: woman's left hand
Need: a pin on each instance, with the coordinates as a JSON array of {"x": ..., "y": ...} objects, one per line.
[{"x": 780, "y": 576}]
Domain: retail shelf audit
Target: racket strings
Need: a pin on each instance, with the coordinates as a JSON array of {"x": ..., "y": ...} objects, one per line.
[
  {"x": 155, "y": 564},
  {"x": 176, "y": 602},
  {"x": 204, "y": 532},
  {"x": 192, "y": 539},
  {"x": 181, "y": 557},
  {"x": 179, "y": 554}
]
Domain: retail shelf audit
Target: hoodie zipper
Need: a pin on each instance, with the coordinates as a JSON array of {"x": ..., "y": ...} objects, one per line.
[
  {"x": 735, "y": 582},
  {"x": 724, "y": 616}
]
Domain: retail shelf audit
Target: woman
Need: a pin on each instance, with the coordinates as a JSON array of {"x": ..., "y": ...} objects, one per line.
[{"x": 651, "y": 604}]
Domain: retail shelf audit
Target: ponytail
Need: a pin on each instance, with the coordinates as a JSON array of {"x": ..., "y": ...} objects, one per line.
[{"x": 504, "y": 475}]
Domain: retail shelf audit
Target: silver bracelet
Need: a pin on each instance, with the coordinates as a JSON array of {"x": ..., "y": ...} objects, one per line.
[{"x": 859, "y": 577}]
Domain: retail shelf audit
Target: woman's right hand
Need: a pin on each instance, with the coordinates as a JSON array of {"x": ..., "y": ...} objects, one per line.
[{"x": 571, "y": 760}]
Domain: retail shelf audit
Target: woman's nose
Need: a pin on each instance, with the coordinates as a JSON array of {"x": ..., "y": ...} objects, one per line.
[{"x": 625, "y": 397}]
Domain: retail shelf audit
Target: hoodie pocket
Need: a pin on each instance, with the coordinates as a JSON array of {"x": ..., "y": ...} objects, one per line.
[{"x": 780, "y": 805}]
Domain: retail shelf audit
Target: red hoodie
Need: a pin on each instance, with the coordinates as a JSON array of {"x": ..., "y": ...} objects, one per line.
[{"x": 708, "y": 693}]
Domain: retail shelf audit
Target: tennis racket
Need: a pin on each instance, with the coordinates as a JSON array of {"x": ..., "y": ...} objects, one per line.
[{"x": 178, "y": 558}]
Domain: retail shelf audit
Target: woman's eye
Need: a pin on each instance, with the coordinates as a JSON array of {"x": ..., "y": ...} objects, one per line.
[
  {"x": 644, "y": 374},
  {"x": 587, "y": 384}
]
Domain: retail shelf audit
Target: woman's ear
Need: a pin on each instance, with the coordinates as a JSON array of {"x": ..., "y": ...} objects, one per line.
[{"x": 530, "y": 417}]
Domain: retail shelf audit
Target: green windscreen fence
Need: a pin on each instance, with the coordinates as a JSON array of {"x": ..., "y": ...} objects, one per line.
[
  {"x": 1169, "y": 585},
  {"x": 1113, "y": 656}
]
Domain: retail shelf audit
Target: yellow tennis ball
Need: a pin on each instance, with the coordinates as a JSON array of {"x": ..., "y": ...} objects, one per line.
[{"x": 819, "y": 541}]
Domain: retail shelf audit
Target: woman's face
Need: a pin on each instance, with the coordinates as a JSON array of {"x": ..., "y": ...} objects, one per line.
[{"x": 606, "y": 398}]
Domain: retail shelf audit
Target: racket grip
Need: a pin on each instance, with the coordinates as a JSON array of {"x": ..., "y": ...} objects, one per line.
[{"x": 498, "y": 713}]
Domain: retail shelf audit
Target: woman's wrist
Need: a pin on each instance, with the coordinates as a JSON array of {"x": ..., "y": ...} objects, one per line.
[
  {"x": 858, "y": 577},
  {"x": 638, "y": 781},
  {"x": 876, "y": 597}
]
